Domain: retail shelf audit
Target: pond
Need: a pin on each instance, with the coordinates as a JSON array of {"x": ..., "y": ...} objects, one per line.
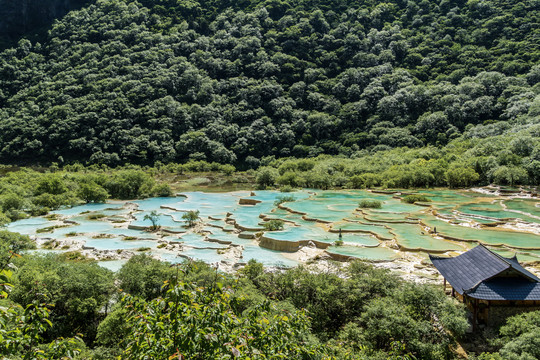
[{"x": 231, "y": 223}]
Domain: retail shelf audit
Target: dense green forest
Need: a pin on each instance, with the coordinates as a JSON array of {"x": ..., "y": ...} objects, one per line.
[
  {"x": 131, "y": 99},
  {"x": 237, "y": 81},
  {"x": 31, "y": 18},
  {"x": 57, "y": 308}
]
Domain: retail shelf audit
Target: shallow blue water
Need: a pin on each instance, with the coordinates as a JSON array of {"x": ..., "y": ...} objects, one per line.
[
  {"x": 329, "y": 208},
  {"x": 118, "y": 243}
]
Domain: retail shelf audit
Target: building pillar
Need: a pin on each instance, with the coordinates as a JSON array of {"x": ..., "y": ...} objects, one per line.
[
  {"x": 475, "y": 314},
  {"x": 487, "y": 314}
]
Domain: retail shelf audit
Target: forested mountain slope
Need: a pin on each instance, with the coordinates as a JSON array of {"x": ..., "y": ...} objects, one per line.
[
  {"x": 121, "y": 81},
  {"x": 28, "y": 17}
]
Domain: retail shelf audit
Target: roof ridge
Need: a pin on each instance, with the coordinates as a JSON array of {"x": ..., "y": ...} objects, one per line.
[
  {"x": 510, "y": 264},
  {"x": 472, "y": 288},
  {"x": 500, "y": 257}
]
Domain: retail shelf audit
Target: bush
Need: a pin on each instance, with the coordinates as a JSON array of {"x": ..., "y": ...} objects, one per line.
[
  {"x": 411, "y": 199},
  {"x": 162, "y": 190},
  {"x": 458, "y": 177},
  {"x": 519, "y": 338},
  {"x": 274, "y": 225},
  {"x": 184, "y": 325},
  {"x": 227, "y": 169},
  {"x": 191, "y": 217},
  {"x": 289, "y": 178},
  {"x": 266, "y": 176},
  {"x": 144, "y": 276},
  {"x": 286, "y": 189},
  {"x": 13, "y": 243},
  {"x": 130, "y": 184},
  {"x": 407, "y": 316},
  {"x": 77, "y": 290},
  {"x": 92, "y": 192},
  {"x": 4, "y": 219},
  {"x": 370, "y": 204},
  {"x": 282, "y": 199},
  {"x": 356, "y": 182}
]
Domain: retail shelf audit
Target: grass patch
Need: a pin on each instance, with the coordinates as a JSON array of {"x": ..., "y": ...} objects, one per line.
[
  {"x": 50, "y": 228},
  {"x": 370, "y": 204},
  {"x": 96, "y": 216},
  {"x": 102, "y": 236},
  {"x": 198, "y": 181},
  {"x": 141, "y": 249},
  {"x": 161, "y": 246},
  {"x": 128, "y": 238},
  {"x": 52, "y": 217},
  {"x": 411, "y": 199},
  {"x": 240, "y": 179},
  {"x": 72, "y": 233}
]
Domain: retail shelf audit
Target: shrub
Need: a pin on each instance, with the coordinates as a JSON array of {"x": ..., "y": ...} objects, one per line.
[
  {"x": 78, "y": 290},
  {"x": 191, "y": 217},
  {"x": 162, "y": 190},
  {"x": 130, "y": 184},
  {"x": 289, "y": 178},
  {"x": 13, "y": 243},
  {"x": 266, "y": 176},
  {"x": 411, "y": 199},
  {"x": 274, "y": 225},
  {"x": 187, "y": 329},
  {"x": 227, "y": 169},
  {"x": 143, "y": 276},
  {"x": 459, "y": 176},
  {"x": 370, "y": 204},
  {"x": 92, "y": 192},
  {"x": 282, "y": 199}
]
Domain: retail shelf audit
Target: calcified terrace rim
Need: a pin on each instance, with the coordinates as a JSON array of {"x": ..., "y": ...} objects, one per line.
[{"x": 315, "y": 219}]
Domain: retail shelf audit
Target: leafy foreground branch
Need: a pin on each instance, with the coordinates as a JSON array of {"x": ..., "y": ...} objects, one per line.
[
  {"x": 21, "y": 329},
  {"x": 202, "y": 323}
]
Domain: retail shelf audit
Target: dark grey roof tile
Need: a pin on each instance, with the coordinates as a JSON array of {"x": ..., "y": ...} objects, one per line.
[
  {"x": 470, "y": 269},
  {"x": 510, "y": 289}
]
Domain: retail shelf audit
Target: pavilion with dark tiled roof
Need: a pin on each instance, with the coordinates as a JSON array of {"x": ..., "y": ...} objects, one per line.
[{"x": 492, "y": 286}]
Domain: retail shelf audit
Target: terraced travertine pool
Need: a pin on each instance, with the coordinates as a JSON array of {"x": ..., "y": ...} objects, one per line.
[{"x": 231, "y": 230}]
